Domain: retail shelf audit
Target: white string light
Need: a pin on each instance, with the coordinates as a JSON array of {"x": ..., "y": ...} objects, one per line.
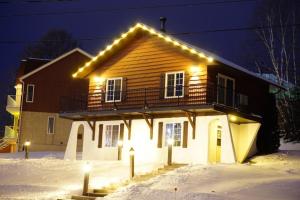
[{"x": 151, "y": 31}]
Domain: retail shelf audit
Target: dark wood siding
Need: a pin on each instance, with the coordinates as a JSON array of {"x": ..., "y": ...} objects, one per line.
[
  {"x": 144, "y": 60},
  {"x": 55, "y": 81},
  {"x": 254, "y": 88}
]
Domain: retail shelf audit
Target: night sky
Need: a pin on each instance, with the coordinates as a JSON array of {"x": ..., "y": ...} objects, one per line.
[{"x": 23, "y": 22}]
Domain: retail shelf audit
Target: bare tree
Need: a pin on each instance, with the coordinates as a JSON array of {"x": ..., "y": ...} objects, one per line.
[
  {"x": 278, "y": 33},
  {"x": 54, "y": 43}
]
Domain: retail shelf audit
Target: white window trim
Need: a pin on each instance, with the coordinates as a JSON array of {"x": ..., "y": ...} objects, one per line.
[
  {"x": 28, "y": 85},
  {"x": 53, "y": 125},
  {"x": 104, "y": 141},
  {"x": 106, "y": 89},
  {"x": 166, "y": 84},
  {"x": 165, "y": 133},
  {"x": 225, "y": 97}
]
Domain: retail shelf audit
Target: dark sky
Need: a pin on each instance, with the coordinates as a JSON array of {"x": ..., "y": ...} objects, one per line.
[{"x": 97, "y": 18}]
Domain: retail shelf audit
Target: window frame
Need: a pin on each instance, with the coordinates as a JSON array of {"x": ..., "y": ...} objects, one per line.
[
  {"x": 53, "y": 125},
  {"x": 105, "y": 135},
  {"x": 165, "y": 133},
  {"x": 106, "y": 89},
  {"x": 225, "y": 94},
  {"x": 33, "y": 86},
  {"x": 166, "y": 85}
]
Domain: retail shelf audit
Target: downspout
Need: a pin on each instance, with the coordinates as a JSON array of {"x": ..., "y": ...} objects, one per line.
[{"x": 20, "y": 115}]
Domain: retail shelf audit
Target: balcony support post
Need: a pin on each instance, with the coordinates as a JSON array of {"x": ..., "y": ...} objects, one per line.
[
  {"x": 192, "y": 120},
  {"x": 92, "y": 125},
  {"x": 149, "y": 120},
  {"x": 127, "y": 123}
]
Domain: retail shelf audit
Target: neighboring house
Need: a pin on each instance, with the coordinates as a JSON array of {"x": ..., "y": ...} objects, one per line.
[
  {"x": 39, "y": 93},
  {"x": 9, "y": 142},
  {"x": 147, "y": 88}
]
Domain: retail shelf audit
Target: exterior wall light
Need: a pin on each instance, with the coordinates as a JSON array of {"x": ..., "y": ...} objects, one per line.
[{"x": 233, "y": 118}]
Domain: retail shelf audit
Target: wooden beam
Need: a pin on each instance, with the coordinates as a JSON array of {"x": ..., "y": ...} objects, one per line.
[
  {"x": 192, "y": 120},
  {"x": 92, "y": 125},
  {"x": 149, "y": 120},
  {"x": 127, "y": 123}
]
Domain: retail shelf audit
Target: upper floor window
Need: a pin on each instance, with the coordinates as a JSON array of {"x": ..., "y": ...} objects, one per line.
[
  {"x": 173, "y": 131},
  {"x": 113, "y": 89},
  {"x": 174, "y": 86},
  {"x": 111, "y": 135},
  {"x": 51, "y": 125},
  {"x": 30, "y": 93},
  {"x": 226, "y": 90}
]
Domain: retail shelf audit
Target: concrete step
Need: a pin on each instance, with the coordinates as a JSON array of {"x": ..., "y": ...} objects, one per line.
[
  {"x": 97, "y": 194},
  {"x": 81, "y": 197}
]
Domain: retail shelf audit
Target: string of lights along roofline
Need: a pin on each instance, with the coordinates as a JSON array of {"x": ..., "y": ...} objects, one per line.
[
  {"x": 126, "y": 9},
  {"x": 151, "y": 31}
]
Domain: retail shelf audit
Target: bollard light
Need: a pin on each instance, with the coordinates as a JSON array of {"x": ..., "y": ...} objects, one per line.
[
  {"x": 86, "y": 169},
  {"x": 131, "y": 154},
  {"x": 26, "y": 148},
  {"x": 170, "y": 146},
  {"x": 120, "y": 145}
]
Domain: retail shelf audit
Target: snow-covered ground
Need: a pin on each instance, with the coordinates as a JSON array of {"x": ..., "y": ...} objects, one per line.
[{"x": 275, "y": 176}]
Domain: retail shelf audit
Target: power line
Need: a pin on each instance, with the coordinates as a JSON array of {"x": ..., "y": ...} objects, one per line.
[
  {"x": 185, "y": 5},
  {"x": 174, "y": 34},
  {"x": 36, "y": 1}
]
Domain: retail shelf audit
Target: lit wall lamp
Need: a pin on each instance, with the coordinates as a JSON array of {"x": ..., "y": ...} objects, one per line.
[
  {"x": 26, "y": 148},
  {"x": 233, "y": 118},
  {"x": 120, "y": 146},
  {"x": 170, "y": 149},
  {"x": 131, "y": 154},
  {"x": 86, "y": 169}
]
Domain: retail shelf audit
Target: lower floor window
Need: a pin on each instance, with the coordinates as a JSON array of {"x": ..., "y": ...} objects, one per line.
[
  {"x": 173, "y": 131},
  {"x": 51, "y": 125},
  {"x": 111, "y": 135}
]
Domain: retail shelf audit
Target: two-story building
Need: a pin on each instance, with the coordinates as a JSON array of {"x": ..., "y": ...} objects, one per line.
[
  {"x": 147, "y": 88},
  {"x": 36, "y": 103}
]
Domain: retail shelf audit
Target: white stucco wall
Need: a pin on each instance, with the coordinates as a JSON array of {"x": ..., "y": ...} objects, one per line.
[{"x": 146, "y": 149}]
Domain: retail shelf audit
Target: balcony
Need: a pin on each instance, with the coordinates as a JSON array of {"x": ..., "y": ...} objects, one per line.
[
  {"x": 13, "y": 104},
  {"x": 189, "y": 98}
]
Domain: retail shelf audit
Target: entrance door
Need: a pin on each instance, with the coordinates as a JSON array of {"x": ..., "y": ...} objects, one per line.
[
  {"x": 79, "y": 145},
  {"x": 214, "y": 141}
]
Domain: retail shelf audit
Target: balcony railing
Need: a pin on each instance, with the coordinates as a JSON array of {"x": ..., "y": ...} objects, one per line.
[
  {"x": 146, "y": 98},
  {"x": 13, "y": 104}
]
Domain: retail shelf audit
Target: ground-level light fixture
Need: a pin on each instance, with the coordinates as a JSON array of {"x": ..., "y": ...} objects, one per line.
[
  {"x": 120, "y": 145},
  {"x": 26, "y": 148},
  {"x": 131, "y": 160},
  {"x": 86, "y": 169},
  {"x": 170, "y": 142}
]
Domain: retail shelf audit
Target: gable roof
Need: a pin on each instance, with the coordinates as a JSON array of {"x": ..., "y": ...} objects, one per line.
[
  {"x": 55, "y": 60},
  {"x": 188, "y": 48}
]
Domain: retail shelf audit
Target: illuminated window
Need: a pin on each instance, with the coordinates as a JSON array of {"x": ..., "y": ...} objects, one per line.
[
  {"x": 30, "y": 93},
  {"x": 113, "y": 89},
  {"x": 111, "y": 135},
  {"x": 173, "y": 131},
  {"x": 174, "y": 84},
  {"x": 51, "y": 125}
]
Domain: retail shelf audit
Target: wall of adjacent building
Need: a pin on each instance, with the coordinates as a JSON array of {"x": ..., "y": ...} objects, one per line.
[
  {"x": 34, "y": 128},
  {"x": 146, "y": 150}
]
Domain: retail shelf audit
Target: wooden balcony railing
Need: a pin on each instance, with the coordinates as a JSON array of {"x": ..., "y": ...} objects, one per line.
[{"x": 145, "y": 98}]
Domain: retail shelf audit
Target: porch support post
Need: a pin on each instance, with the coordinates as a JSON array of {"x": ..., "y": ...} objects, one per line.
[
  {"x": 92, "y": 125},
  {"x": 127, "y": 123},
  {"x": 192, "y": 120},
  {"x": 149, "y": 120}
]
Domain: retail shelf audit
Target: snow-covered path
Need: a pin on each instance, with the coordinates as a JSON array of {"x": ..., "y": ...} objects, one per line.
[{"x": 275, "y": 176}]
